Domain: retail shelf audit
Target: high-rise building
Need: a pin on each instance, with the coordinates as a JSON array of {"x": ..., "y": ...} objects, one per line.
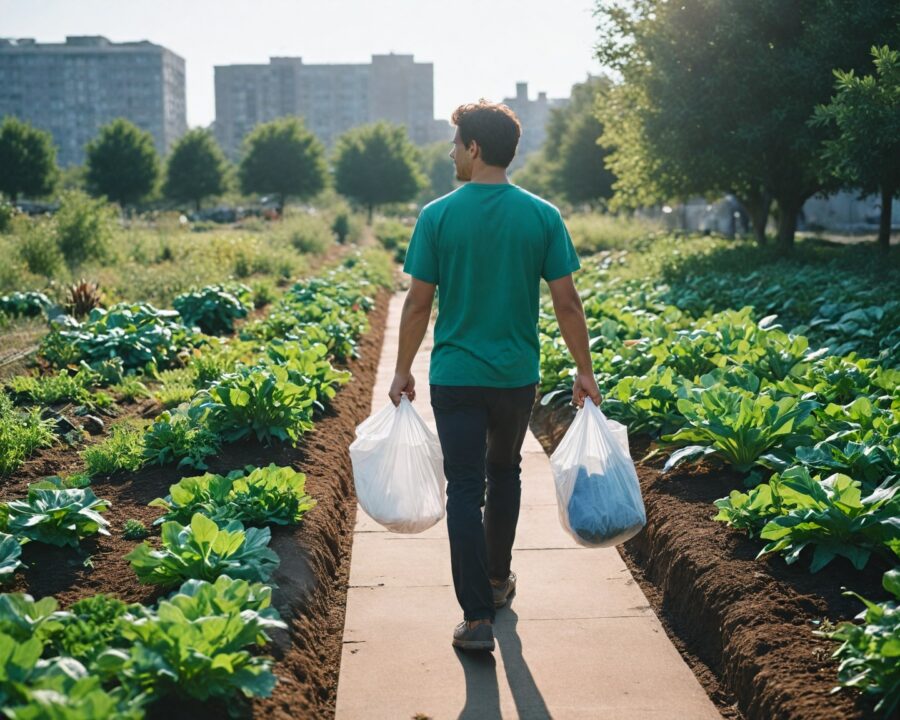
[
  {"x": 71, "y": 89},
  {"x": 533, "y": 116},
  {"x": 330, "y": 98}
]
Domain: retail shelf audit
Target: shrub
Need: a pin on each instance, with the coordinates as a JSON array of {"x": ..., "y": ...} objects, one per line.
[
  {"x": 85, "y": 228},
  {"x": 307, "y": 233},
  {"x": 39, "y": 249}
]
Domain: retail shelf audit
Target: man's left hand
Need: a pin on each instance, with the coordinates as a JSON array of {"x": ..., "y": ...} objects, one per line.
[{"x": 403, "y": 383}]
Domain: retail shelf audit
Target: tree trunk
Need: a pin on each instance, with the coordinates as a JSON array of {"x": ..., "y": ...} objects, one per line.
[
  {"x": 197, "y": 205},
  {"x": 884, "y": 226},
  {"x": 280, "y": 205},
  {"x": 787, "y": 221},
  {"x": 759, "y": 205}
]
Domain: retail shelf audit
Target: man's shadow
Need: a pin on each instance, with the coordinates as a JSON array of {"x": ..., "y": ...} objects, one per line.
[{"x": 480, "y": 668}]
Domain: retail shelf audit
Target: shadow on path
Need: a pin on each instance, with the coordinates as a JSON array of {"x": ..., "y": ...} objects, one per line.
[{"x": 480, "y": 668}]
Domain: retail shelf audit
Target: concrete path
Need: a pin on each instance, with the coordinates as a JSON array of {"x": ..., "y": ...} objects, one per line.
[{"x": 578, "y": 640}]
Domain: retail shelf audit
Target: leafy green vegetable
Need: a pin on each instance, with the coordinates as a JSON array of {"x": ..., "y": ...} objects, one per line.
[
  {"x": 254, "y": 496},
  {"x": 179, "y": 436},
  {"x": 10, "y": 556},
  {"x": 736, "y": 425},
  {"x": 21, "y": 433},
  {"x": 869, "y": 652},
  {"x": 214, "y": 308},
  {"x": 134, "y": 530},
  {"x": 204, "y": 551},
  {"x": 56, "y": 515},
  {"x": 137, "y": 334},
  {"x": 25, "y": 304}
]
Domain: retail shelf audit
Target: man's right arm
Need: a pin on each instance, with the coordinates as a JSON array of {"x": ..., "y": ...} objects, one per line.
[{"x": 570, "y": 316}]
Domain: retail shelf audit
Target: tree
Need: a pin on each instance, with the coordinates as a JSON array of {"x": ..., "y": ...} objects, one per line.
[
  {"x": 196, "y": 168},
  {"x": 865, "y": 152},
  {"x": 376, "y": 164},
  {"x": 122, "y": 163},
  {"x": 27, "y": 160},
  {"x": 284, "y": 159},
  {"x": 716, "y": 95},
  {"x": 438, "y": 169}
]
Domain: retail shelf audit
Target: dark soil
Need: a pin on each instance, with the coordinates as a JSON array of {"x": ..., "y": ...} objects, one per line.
[
  {"x": 315, "y": 556},
  {"x": 743, "y": 625}
]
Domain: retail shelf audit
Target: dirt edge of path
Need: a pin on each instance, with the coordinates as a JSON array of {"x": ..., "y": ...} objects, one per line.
[
  {"x": 742, "y": 625},
  {"x": 315, "y": 556}
]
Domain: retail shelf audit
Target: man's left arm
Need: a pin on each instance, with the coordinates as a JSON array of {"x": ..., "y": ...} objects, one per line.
[{"x": 413, "y": 325}]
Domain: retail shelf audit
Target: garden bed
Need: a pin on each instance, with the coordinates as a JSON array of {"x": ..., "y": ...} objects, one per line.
[
  {"x": 743, "y": 625},
  {"x": 312, "y": 577}
]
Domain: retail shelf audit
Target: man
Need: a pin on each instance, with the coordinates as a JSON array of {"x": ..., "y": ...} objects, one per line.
[{"x": 486, "y": 245}]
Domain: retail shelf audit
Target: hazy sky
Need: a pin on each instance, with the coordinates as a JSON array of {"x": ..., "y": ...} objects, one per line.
[{"x": 478, "y": 47}]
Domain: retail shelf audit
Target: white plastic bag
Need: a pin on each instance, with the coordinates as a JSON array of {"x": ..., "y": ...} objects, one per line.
[
  {"x": 398, "y": 469},
  {"x": 597, "y": 490}
]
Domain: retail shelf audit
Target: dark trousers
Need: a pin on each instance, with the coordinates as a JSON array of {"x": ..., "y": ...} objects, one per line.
[{"x": 481, "y": 430}]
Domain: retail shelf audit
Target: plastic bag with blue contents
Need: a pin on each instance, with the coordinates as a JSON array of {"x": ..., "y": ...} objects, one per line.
[{"x": 597, "y": 491}]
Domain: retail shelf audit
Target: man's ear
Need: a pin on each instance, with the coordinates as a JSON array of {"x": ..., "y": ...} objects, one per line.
[{"x": 474, "y": 150}]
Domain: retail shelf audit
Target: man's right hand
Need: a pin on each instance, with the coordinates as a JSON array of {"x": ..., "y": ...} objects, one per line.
[{"x": 585, "y": 386}]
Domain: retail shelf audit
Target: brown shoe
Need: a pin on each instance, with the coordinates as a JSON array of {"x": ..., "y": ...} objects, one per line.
[
  {"x": 480, "y": 637},
  {"x": 503, "y": 591}
]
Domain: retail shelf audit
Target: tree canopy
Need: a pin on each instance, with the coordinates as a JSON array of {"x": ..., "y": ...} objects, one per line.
[
  {"x": 122, "y": 163},
  {"x": 196, "y": 168},
  {"x": 284, "y": 158},
  {"x": 716, "y": 96},
  {"x": 864, "y": 151},
  {"x": 27, "y": 160},
  {"x": 377, "y": 164}
]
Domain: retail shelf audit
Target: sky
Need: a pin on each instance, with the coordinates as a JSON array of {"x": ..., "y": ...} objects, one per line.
[{"x": 480, "y": 48}]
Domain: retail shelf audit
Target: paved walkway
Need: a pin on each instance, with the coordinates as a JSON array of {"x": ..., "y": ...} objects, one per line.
[{"x": 578, "y": 640}]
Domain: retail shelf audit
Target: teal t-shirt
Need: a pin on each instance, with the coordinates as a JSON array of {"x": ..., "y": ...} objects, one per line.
[{"x": 487, "y": 246}]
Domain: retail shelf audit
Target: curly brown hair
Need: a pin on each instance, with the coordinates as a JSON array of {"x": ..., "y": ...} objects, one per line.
[{"x": 494, "y": 126}]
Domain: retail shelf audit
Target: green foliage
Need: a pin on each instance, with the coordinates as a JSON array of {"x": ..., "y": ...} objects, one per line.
[
  {"x": 213, "y": 308},
  {"x": 673, "y": 136},
  {"x": 25, "y": 304},
  {"x": 308, "y": 234},
  {"x": 122, "y": 450},
  {"x": 27, "y": 160},
  {"x": 130, "y": 389},
  {"x": 85, "y": 228},
  {"x": 439, "y": 171},
  {"x": 196, "y": 168},
  {"x": 21, "y": 433},
  {"x": 62, "y": 387},
  {"x": 204, "y": 551},
  {"x": 255, "y": 496},
  {"x": 194, "y": 644},
  {"x": 178, "y": 386},
  {"x": 738, "y": 425},
  {"x": 377, "y": 164},
  {"x": 134, "y": 530},
  {"x": 88, "y": 628},
  {"x": 10, "y": 556},
  {"x": 868, "y": 651},
  {"x": 179, "y": 436},
  {"x": 864, "y": 112},
  {"x": 122, "y": 163},
  {"x": 282, "y": 157},
  {"x": 260, "y": 401},
  {"x": 56, "y": 515},
  {"x": 137, "y": 334},
  {"x": 38, "y": 247},
  {"x": 571, "y": 163}
]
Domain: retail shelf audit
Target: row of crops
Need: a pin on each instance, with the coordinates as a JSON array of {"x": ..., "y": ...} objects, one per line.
[
  {"x": 813, "y": 429},
  {"x": 102, "y": 657}
]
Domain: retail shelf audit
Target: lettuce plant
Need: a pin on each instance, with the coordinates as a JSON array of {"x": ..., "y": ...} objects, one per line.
[
  {"x": 56, "y": 515},
  {"x": 10, "y": 556},
  {"x": 868, "y": 652},
  {"x": 255, "y": 496},
  {"x": 204, "y": 551}
]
